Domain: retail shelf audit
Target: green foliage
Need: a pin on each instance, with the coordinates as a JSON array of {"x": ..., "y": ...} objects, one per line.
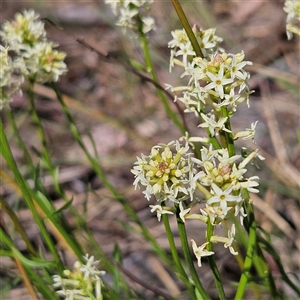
[{"x": 43, "y": 268}]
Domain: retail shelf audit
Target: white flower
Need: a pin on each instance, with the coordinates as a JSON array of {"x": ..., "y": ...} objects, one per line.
[
  {"x": 126, "y": 18},
  {"x": 89, "y": 269},
  {"x": 205, "y": 43},
  {"x": 207, "y": 154},
  {"x": 249, "y": 158},
  {"x": 131, "y": 12},
  {"x": 236, "y": 68},
  {"x": 26, "y": 30},
  {"x": 183, "y": 212},
  {"x": 185, "y": 50},
  {"x": 248, "y": 133},
  {"x": 179, "y": 37},
  {"x": 228, "y": 241},
  {"x": 223, "y": 198},
  {"x": 200, "y": 251},
  {"x": 218, "y": 82},
  {"x": 34, "y": 56},
  {"x": 160, "y": 211},
  {"x": 231, "y": 100},
  {"x": 212, "y": 125},
  {"x": 80, "y": 283},
  {"x": 236, "y": 176},
  {"x": 251, "y": 184},
  {"x": 215, "y": 214},
  {"x": 42, "y": 62},
  {"x": 231, "y": 235},
  {"x": 148, "y": 24},
  {"x": 57, "y": 281},
  {"x": 188, "y": 102},
  {"x": 239, "y": 209},
  {"x": 197, "y": 69},
  {"x": 224, "y": 158}
]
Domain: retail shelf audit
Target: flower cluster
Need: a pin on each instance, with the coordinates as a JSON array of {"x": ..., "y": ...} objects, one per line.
[
  {"x": 133, "y": 14},
  {"x": 177, "y": 176},
  {"x": 181, "y": 46},
  {"x": 292, "y": 8},
  {"x": 216, "y": 180},
  {"x": 166, "y": 174},
  {"x": 34, "y": 57},
  {"x": 224, "y": 178},
  {"x": 216, "y": 80},
  {"x": 81, "y": 283},
  {"x": 217, "y": 84}
]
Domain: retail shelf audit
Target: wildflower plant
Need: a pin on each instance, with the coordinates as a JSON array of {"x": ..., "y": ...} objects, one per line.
[
  {"x": 216, "y": 84},
  {"x": 197, "y": 177},
  {"x": 27, "y": 53},
  {"x": 83, "y": 282}
]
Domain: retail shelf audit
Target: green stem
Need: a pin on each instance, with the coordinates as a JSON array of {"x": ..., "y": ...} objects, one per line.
[
  {"x": 182, "y": 274},
  {"x": 187, "y": 27},
  {"x": 212, "y": 262},
  {"x": 20, "y": 142},
  {"x": 27, "y": 194},
  {"x": 242, "y": 237},
  {"x": 161, "y": 95},
  {"x": 259, "y": 260},
  {"x": 228, "y": 135},
  {"x": 15, "y": 255},
  {"x": 98, "y": 170},
  {"x": 40, "y": 284},
  {"x": 187, "y": 256},
  {"x": 270, "y": 250},
  {"x": 49, "y": 209},
  {"x": 45, "y": 152},
  {"x": 249, "y": 255},
  {"x": 18, "y": 226}
]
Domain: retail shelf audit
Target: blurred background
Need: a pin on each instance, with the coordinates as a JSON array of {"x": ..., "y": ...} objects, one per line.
[{"x": 126, "y": 118}]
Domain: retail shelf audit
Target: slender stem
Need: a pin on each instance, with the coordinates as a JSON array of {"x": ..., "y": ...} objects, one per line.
[
  {"x": 249, "y": 255},
  {"x": 27, "y": 281},
  {"x": 40, "y": 284},
  {"x": 202, "y": 189},
  {"x": 98, "y": 170},
  {"x": 212, "y": 262},
  {"x": 187, "y": 256},
  {"x": 161, "y": 95},
  {"x": 111, "y": 59},
  {"x": 45, "y": 152},
  {"x": 39, "y": 125},
  {"x": 228, "y": 135},
  {"x": 181, "y": 272},
  {"x": 270, "y": 250},
  {"x": 18, "y": 226},
  {"x": 9, "y": 244},
  {"x": 187, "y": 28},
  {"x": 27, "y": 194},
  {"x": 242, "y": 237},
  {"x": 57, "y": 221},
  {"x": 21, "y": 144}
]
